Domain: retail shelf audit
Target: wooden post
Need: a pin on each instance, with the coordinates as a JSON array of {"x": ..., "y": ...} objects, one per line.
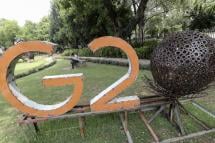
[
  {"x": 81, "y": 126},
  {"x": 171, "y": 112},
  {"x": 156, "y": 113},
  {"x": 178, "y": 139},
  {"x": 124, "y": 121},
  {"x": 35, "y": 125},
  {"x": 178, "y": 119},
  {"x": 200, "y": 122},
  {"x": 155, "y": 137}
]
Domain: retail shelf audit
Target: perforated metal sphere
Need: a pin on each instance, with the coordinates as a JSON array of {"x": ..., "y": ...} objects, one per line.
[{"x": 184, "y": 63}]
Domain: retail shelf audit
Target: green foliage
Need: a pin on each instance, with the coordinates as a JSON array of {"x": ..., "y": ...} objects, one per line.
[
  {"x": 43, "y": 28},
  {"x": 105, "y": 52},
  {"x": 29, "y": 31},
  {"x": 8, "y": 31},
  {"x": 150, "y": 43},
  {"x": 56, "y": 30},
  {"x": 203, "y": 17},
  {"x": 164, "y": 17},
  {"x": 143, "y": 52},
  {"x": 81, "y": 52},
  {"x": 74, "y": 23},
  {"x": 36, "y": 31},
  {"x": 77, "y": 22}
]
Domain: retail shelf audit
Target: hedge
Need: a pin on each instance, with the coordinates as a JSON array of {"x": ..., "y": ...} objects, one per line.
[
  {"x": 145, "y": 64},
  {"x": 143, "y": 52},
  {"x": 50, "y": 63}
]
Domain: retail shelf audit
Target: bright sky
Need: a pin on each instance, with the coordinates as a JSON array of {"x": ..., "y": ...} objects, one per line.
[{"x": 22, "y": 10}]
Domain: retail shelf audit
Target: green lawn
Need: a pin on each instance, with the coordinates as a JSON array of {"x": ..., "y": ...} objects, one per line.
[
  {"x": 99, "y": 129},
  {"x": 22, "y": 67}
]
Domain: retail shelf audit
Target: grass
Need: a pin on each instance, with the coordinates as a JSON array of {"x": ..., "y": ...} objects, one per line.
[
  {"x": 99, "y": 129},
  {"x": 25, "y": 66},
  {"x": 208, "y": 101}
]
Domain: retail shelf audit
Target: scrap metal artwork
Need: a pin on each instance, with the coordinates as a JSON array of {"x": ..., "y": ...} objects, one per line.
[{"x": 183, "y": 63}]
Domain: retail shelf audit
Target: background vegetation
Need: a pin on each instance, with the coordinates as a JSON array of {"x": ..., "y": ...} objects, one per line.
[{"x": 74, "y": 23}]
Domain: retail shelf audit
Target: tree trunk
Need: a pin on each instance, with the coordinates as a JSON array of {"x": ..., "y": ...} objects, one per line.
[
  {"x": 112, "y": 14},
  {"x": 135, "y": 13},
  {"x": 136, "y": 20}
]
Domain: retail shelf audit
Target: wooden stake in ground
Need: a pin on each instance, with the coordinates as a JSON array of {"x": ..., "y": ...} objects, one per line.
[
  {"x": 157, "y": 113},
  {"x": 81, "y": 126},
  {"x": 155, "y": 137},
  {"x": 124, "y": 120}
]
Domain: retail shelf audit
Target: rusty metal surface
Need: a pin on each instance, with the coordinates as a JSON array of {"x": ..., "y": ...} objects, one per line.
[{"x": 183, "y": 63}]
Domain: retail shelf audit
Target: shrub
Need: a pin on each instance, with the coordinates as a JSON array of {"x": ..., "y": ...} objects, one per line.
[
  {"x": 151, "y": 43},
  {"x": 67, "y": 52},
  {"x": 147, "y": 43},
  {"x": 143, "y": 52}
]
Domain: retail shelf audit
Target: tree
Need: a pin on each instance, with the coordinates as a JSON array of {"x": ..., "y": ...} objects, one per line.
[
  {"x": 43, "y": 28},
  {"x": 137, "y": 19},
  {"x": 8, "y": 32},
  {"x": 202, "y": 17},
  {"x": 55, "y": 23},
  {"x": 29, "y": 31},
  {"x": 36, "y": 31},
  {"x": 77, "y": 22},
  {"x": 163, "y": 17}
]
